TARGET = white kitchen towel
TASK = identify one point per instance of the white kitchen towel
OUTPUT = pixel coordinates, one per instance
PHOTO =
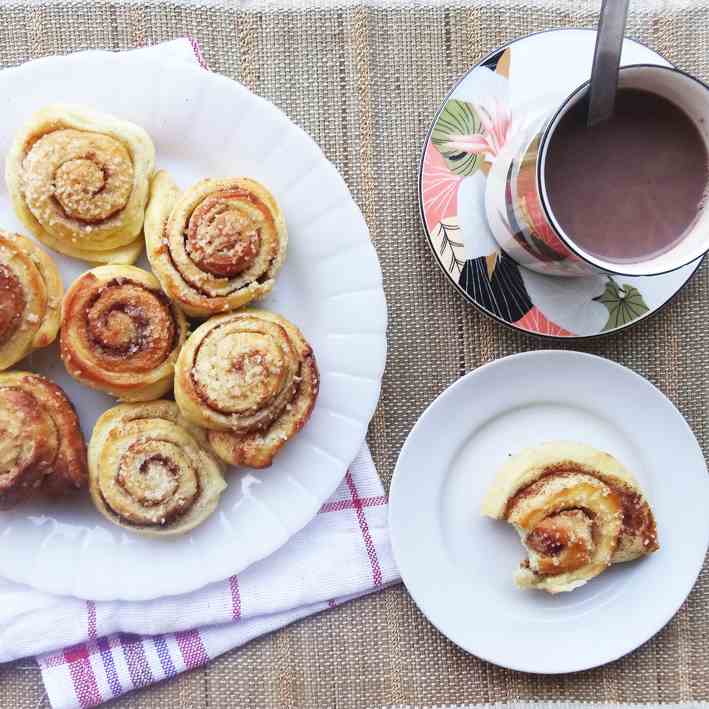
(92, 652)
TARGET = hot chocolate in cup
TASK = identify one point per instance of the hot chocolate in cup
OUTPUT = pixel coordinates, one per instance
(625, 197)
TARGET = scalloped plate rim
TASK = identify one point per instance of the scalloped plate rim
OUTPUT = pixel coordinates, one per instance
(132, 589)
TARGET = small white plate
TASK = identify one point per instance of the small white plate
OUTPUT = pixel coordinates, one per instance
(458, 566)
(204, 124)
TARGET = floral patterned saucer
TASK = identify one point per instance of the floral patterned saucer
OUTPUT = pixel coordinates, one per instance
(477, 118)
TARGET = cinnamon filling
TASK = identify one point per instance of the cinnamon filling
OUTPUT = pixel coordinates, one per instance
(637, 518)
(157, 481)
(222, 239)
(224, 242)
(566, 539)
(240, 372)
(127, 321)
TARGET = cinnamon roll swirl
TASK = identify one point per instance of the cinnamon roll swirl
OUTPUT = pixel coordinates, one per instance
(41, 444)
(151, 472)
(120, 333)
(31, 293)
(252, 379)
(576, 509)
(216, 246)
(79, 181)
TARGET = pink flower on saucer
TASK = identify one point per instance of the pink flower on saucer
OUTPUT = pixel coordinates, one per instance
(439, 188)
(495, 119)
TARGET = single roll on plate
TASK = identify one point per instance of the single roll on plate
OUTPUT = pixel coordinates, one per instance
(251, 378)
(217, 246)
(41, 444)
(576, 509)
(120, 333)
(151, 472)
(31, 293)
(79, 180)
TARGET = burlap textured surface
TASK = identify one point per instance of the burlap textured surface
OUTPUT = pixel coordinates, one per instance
(364, 81)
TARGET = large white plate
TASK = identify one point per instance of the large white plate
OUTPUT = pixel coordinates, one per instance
(203, 125)
(458, 566)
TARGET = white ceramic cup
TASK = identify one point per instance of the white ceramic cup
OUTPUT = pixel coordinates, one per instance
(516, 201)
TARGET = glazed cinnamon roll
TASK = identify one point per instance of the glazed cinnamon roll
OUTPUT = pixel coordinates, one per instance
(41, 444)
(576, 509)
(31, 293)
(120, 333)
(151, 472)
(216, 246)
(252, 379)
(79, 180)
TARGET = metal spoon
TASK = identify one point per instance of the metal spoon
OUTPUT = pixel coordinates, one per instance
(606, 60)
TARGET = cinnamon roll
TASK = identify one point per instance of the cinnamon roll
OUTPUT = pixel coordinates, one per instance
(252, 379)
(216, 246)
(31, 293)
(41, 444)
(120, 333)
(151, 472)
(79, 180)
(576, 509)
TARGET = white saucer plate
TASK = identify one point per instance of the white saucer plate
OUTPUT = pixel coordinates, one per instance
(505, 88)
(458, 566)
(205, 125)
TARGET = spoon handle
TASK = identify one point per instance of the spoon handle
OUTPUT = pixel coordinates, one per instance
(606, 60)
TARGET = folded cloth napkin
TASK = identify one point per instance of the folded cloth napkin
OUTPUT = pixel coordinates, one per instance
(92, 652)
(109, 648)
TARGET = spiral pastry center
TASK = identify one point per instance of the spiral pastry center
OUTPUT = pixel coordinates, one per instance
(75, 184)
(118, 330)
(127, 319)
(12, 303)
(89, 175)
(566, 537)
(569, 522)
(156, 482)
(222, 239)
(240, 372)
(150, 474)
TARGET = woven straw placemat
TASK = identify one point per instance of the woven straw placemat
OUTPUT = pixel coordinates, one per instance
(364, 81)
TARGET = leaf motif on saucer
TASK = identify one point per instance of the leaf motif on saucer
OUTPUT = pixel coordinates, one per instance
(468, 134)
(439, 188)
(624, 304)
(457, 121)
(501, 292)
(449, 245)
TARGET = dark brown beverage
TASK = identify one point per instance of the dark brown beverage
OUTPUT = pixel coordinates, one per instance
(627, 189)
